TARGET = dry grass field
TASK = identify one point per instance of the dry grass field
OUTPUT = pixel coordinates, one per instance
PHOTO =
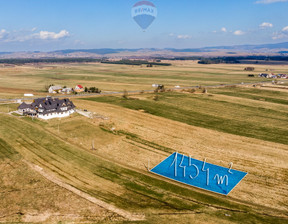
(16, 81)
(244, 125)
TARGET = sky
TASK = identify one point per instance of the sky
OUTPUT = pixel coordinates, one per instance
(48, 25)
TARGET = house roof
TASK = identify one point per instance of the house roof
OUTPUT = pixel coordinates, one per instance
(67, 89)
(49, 105)
(55, 87)
(24, 106)
(81, 87)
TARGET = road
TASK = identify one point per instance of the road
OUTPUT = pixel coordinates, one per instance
(131, 92)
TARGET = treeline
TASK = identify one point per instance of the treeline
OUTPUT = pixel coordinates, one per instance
(226, 60)
(229, 60)
(92, 90)
(19, 61)
(135, 62)
(244, 59)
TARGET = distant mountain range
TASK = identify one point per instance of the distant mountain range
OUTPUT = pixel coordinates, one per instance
(104, 51)
(262, 49)
(253, 47)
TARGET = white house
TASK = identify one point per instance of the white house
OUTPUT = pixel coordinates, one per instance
(47, 108)
(55, 89)
(79, 89)
(67, 90)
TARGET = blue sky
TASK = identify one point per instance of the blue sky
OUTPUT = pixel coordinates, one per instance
(44, 25)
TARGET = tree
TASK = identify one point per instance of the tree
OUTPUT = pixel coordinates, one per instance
(86, 89)
(48, 86)
(94, 90)
(192, 90)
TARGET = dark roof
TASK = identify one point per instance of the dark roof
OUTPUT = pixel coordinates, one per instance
(24, 106)
(49, 105)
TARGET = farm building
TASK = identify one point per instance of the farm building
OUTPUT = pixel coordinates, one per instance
(282, 76)
(265, 75)
(249, 69)
(67, 90)
(79, 89)
(55, 89)
(47, 108)
(273, 76)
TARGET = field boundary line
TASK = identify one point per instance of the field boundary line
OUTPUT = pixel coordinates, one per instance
(112, 208)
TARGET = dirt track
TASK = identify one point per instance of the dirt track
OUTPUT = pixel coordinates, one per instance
(124, 214)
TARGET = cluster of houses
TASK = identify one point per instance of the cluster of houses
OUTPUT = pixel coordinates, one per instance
(273, 76)
(47, 108)
(65, 90)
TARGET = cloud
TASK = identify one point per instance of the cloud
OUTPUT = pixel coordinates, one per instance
(46, 35)
(285, 29)
(238, 32)
(23, 35)
(278, 35)
(223, 29)
(180, 36)
(281, 34)
(269, 1)
(3, 34)
(184, 37)
(266, 25)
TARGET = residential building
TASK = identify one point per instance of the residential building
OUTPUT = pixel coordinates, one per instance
(47, 108)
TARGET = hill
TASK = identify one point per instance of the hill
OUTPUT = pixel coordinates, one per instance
(237, 50)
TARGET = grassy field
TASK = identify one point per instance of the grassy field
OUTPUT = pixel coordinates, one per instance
(244, 125)
(32, 79)
(5, 108)
(119, 184)
(254, 120)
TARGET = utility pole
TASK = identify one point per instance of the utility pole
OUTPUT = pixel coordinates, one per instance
(59, 125)
(147, 167)
(93, 145)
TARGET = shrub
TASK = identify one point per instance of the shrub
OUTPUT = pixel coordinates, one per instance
(156, 98)
(125, 94)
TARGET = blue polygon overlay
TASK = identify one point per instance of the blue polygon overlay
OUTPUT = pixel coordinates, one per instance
(199, 174)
